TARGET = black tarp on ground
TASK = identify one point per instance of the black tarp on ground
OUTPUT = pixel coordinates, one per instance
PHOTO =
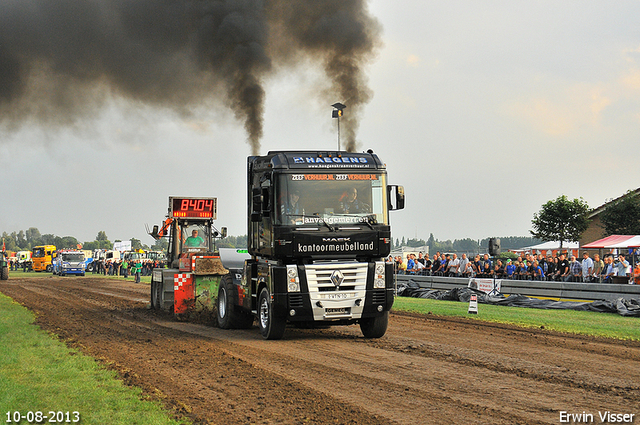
(621, 306)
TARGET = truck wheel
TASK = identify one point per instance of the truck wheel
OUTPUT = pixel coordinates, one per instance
(229, 314)
(4, 275)
(156, 287)
(270, 327)
(375, 327)
(48, 269)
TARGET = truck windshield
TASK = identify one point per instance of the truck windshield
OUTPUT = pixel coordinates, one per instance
(73, 258)
(131, 256)
(332, 198)
(38, 252)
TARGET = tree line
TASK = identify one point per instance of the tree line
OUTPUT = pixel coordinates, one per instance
(467, 244)
(26, 240)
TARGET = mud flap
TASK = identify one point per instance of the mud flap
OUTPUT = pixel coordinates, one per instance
(183, 292)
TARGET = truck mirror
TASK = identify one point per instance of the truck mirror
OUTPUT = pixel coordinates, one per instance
(223, 232)
(396, 197)
(256, 195)
(400, 197)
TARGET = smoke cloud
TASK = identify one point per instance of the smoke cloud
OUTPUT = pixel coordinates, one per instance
(62, 59)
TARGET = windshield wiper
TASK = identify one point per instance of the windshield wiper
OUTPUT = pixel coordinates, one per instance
(324, 222)
(370, 219)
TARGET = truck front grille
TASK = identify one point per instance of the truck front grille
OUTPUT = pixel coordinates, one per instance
(319, 277)
(338, 298)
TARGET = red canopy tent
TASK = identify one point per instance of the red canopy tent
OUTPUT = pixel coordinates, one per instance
(607, 242)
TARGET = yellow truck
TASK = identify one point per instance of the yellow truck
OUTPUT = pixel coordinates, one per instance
(42, 258)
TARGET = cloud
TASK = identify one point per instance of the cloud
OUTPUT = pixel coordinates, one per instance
(631, 80)
(413, 61)
(565, 111)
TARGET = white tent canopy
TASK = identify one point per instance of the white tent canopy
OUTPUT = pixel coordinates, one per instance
(550, 246)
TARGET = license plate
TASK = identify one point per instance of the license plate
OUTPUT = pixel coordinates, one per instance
(337, 296)
(345, 310)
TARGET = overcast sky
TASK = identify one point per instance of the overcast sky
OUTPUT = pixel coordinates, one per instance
(484, 111)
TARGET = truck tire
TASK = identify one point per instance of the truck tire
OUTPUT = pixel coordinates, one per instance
(4, 274)
(156, 287)
(270, 327)
(48, 269)
(375, 327)
(228, 312)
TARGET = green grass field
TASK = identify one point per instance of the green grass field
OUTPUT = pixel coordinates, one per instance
(38, 373)
(580, 322)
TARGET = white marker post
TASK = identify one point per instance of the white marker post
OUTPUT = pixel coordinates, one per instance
(473, 304)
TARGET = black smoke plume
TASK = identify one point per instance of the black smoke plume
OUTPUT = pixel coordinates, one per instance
(61, 59)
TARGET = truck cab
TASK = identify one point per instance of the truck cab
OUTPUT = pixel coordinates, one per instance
(69, 262)
(318, 235)
(42, 257)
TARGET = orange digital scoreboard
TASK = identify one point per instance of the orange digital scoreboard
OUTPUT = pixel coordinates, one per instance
(192, 207)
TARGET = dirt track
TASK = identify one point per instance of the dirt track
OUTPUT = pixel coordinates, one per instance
(426, 370)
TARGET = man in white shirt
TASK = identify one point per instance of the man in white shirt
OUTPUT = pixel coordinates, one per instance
(452, 267)
(587, 267)
(462, 267)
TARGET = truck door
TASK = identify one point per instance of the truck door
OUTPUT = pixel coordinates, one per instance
(261, 221)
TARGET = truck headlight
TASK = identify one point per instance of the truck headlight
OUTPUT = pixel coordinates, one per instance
(293, 281)
(379, 278)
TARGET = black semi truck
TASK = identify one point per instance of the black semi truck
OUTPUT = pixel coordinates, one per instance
(318, 236)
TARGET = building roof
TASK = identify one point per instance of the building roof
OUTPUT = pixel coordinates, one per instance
(594, 212)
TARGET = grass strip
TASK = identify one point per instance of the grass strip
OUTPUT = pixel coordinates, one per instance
(38, 373)
(606, 325)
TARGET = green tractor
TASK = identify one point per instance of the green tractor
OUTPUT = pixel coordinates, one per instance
(4, 267)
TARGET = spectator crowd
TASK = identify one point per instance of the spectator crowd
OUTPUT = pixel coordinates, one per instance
(555, 267)
(121, 267)
(111, 267)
